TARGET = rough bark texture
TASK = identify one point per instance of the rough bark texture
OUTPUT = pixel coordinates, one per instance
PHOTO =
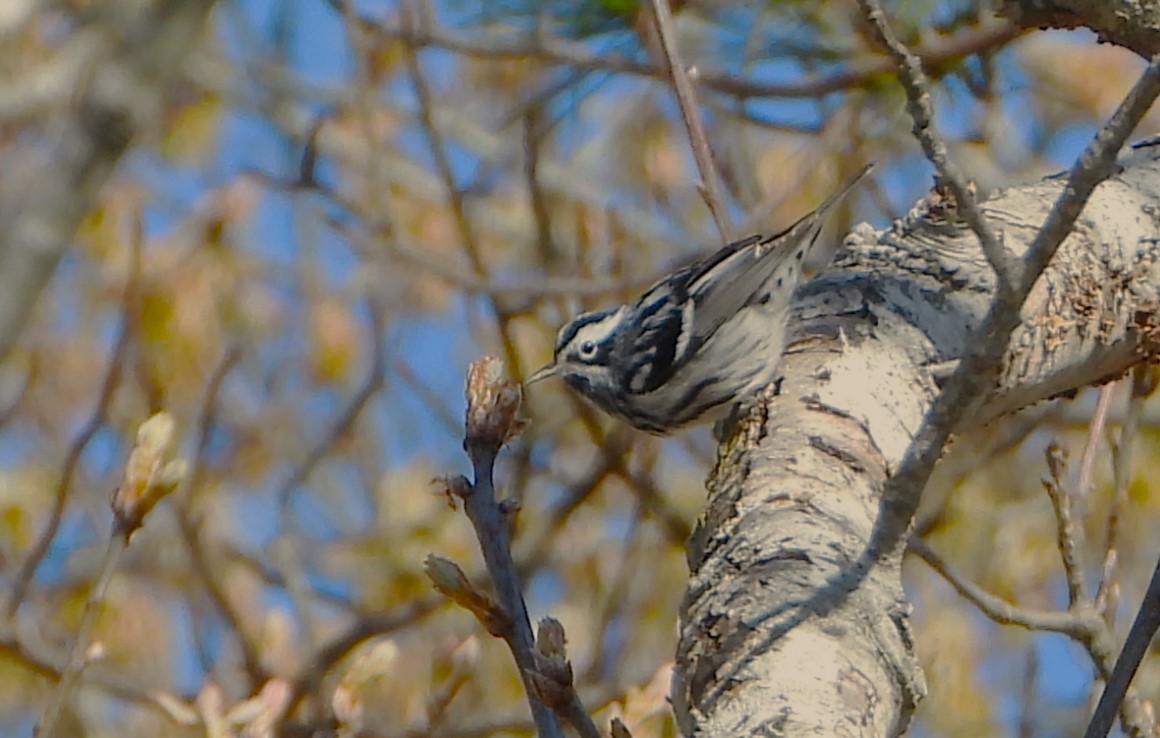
(1133, 24)
(793, 623)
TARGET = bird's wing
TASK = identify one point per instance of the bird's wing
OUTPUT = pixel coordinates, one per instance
(669, 325)
(649, 351)
(683, 310)
(725, 282)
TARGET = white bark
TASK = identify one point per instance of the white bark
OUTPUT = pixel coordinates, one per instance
(795, 622)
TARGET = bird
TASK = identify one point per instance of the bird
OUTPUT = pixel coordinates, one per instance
(699, 340)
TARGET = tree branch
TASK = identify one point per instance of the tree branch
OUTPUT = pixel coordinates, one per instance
(710, 185)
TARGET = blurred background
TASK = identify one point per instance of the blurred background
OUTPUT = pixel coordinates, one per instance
(339, 207)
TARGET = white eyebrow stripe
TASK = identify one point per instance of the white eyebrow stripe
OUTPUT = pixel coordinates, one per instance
(599, 331)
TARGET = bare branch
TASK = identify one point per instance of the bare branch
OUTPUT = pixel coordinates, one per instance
(79, 655)
(1113, 699)
(323, 659)
(1107, 597)
(921, 109)
(1030, 689)
(710, 187)
(46, 666)
(984, 38)
(1069, 535)
(454, 195)
(493, 406)
(288, 556)
(109, 382)
(1083, 480)
(1078, 624)
(151, 473)
(346, 419)
(975, 373)
(200, 558)
(1115, 695)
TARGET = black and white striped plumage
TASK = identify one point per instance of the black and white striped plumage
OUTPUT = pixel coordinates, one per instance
(701, 338)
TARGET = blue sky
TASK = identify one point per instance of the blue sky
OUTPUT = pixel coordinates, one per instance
(311, 38)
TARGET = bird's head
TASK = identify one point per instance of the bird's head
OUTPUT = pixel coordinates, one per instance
(583, 354)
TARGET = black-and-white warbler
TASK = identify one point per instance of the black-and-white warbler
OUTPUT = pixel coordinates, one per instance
(703, 337)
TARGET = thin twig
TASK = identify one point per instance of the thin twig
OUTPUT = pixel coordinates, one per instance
(323, 659)
(27, 377)
(1139, 638)
(536, 199)
(152, 471)
(454, 194)
(68, 468)
(493, 406)
(435, 401)
(710, 188)
(577, 716)
(1081, 622)
(233, 555)
(527, 288)
(406, 175)
(1095, 436)
(92, 424)
(46, 666)
(345, 420)
(78, 655)
(440, 699)
(575, 495)
(1148, 617)
(199, 557)
(1068, 534)
(921, 110)
(618, 598)
(287, 552)
(1076, 623)
(674, 525)
(976, 372)
(1107, 596)
(1028, 703)
(937, 53)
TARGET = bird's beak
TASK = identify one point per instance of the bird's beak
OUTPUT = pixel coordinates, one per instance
(542, 373)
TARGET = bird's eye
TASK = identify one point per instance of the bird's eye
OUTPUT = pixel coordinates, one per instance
(587, 350)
